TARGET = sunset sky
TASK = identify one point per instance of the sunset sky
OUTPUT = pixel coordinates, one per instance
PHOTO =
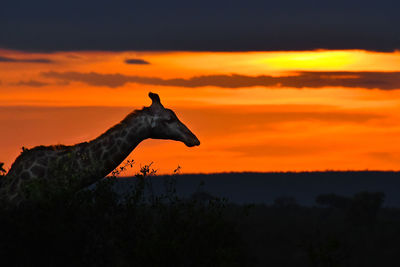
(260, 92)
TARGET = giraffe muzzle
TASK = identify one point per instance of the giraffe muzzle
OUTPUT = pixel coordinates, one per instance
(194, 142)
(190, 139)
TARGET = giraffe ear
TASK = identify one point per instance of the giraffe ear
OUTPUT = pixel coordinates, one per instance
(155, 98)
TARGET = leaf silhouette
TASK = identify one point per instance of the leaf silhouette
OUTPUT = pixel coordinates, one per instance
(2, 170)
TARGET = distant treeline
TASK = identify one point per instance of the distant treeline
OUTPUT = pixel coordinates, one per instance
(242, 188)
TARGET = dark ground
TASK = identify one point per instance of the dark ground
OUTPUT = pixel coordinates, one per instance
(279, 219)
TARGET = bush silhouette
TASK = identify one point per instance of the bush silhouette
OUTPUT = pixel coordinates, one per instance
(333, 201)
(285, 202)
(365, 207)
(2, 170)
(97, 228)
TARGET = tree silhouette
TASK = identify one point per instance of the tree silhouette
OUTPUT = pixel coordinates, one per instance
(285, 202)
(333, 201)
(365, 207)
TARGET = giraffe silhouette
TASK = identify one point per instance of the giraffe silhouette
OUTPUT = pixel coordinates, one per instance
(91, 161)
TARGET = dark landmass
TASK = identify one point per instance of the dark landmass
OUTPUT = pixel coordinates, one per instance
(299, 219)
(264, 188)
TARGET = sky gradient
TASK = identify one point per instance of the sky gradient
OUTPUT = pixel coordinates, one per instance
(252, 111)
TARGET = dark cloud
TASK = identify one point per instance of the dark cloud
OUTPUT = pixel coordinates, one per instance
(208, 25)
(136, 61)
(368, 80)
(93, 78)
(28, 60)
(31, 83)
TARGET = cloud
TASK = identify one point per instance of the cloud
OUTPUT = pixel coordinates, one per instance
(28, 60)
(368, 80)
(226, 120)
(385, 156)
(31, 83)
(206, 25)
(137, 61)
(277, 150)
(93, 78)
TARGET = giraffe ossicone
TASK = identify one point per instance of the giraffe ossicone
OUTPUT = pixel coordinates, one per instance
(91, 161)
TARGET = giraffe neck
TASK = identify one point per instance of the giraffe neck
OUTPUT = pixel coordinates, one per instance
(89, 161)
(112, 147)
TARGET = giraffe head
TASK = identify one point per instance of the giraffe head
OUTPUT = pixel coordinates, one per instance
(165, 124)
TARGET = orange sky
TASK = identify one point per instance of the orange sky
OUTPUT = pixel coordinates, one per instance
(252, 111)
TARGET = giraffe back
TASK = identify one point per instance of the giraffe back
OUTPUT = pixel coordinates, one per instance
(57, 162)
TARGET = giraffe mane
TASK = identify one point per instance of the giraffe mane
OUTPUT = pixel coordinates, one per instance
(28, 152)
(145, 110)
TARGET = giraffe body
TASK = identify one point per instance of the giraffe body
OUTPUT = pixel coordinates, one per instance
(88, 162)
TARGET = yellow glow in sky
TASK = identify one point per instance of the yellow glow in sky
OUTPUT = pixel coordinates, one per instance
(255, 128)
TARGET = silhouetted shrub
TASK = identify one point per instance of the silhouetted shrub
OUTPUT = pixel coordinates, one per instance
(2, 170)
(97, 228)
(361, 209)
(285, 202)
(333, 201)
(364, 207)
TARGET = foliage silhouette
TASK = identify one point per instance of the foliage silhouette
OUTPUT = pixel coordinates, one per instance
(2, 170)
(285, 202)
(98, 227)
(94, 227)
(333, 201)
